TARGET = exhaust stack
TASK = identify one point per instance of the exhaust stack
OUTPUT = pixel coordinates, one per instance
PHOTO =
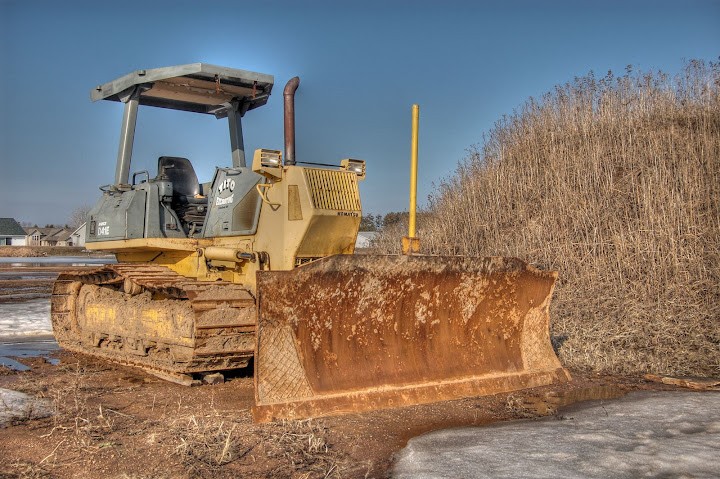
(289, 96)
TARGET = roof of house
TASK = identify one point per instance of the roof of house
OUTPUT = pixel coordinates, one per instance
(44, 232)
(10, 227)
(61, 234)
(77, 230)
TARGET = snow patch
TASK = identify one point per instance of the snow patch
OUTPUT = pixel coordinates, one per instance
(662, 434)
(24, 319)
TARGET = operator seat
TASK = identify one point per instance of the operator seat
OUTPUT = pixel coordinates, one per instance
(187, 202)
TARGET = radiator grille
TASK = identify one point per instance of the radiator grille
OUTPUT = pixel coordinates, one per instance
(333, 190)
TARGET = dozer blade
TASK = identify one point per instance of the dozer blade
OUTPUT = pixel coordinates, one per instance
(353, 333)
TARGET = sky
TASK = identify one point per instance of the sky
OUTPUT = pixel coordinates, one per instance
(362, 65)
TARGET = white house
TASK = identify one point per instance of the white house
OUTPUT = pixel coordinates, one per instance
(77, 237)
(11, 233)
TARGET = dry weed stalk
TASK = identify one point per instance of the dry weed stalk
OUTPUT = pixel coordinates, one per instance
(304, 445)
(615, 183)
(207, 440)
(206, 443)
(25, 470)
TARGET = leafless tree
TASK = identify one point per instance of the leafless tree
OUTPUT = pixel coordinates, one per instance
(78, 216)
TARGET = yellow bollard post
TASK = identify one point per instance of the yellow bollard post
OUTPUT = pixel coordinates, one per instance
(411, 244)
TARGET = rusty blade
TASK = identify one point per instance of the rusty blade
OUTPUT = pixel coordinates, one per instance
(353, 333)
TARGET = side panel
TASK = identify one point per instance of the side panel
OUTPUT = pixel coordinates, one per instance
(138, 213)
(160, 219)
(117, 216)
(233, 203)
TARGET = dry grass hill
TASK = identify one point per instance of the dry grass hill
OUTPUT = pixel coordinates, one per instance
(615, 183)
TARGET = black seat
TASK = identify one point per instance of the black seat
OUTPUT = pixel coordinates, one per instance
(181, 173)
(190, 207)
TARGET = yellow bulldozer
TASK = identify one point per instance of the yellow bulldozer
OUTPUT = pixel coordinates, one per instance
(258, 264)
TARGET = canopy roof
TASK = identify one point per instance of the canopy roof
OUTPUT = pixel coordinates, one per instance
(195, 87)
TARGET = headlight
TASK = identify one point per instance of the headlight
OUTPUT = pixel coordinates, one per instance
(268, 163)
(270, 158)
(354, 166)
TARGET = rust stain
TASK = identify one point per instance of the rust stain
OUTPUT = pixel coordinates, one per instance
(365, 324)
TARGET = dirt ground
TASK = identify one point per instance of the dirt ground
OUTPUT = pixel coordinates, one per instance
(114, 421)
(118, 422)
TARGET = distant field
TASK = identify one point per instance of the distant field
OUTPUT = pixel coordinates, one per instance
(614, 182)
(37, 251)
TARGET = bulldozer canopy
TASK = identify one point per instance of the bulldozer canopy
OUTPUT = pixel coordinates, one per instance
(195, 87)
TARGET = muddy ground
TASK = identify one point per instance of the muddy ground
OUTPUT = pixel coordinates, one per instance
(113, 421)
(118, 422)
(35, 283)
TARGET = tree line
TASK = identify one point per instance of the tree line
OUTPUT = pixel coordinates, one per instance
(371, 222)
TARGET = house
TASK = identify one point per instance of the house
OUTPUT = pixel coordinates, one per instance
(364, 238)
(35, 235)
(78, 236)
(62, 237)
(11, 233)
(49, 236)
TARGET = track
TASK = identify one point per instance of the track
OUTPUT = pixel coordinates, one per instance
(150, 317)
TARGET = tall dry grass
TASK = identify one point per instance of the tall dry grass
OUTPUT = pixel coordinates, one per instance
(615, 183)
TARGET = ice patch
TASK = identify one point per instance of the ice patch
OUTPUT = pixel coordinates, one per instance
(25, 319)
(57, 260)
(667, 434)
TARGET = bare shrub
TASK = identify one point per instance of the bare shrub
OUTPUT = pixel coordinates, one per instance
(304, 445)
(24, 470)
(205, 442)
(615, 183)
(208, 444)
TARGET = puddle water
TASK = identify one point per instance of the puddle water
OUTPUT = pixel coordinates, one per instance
(550, 402)
(25, 285)
(534, 406)
(41, 346)
(57, 261)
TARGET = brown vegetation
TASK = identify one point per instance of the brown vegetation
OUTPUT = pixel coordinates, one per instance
(615, 183)
(100, 419)
(39, 251)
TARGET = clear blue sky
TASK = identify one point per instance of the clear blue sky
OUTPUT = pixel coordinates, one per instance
(362, 64)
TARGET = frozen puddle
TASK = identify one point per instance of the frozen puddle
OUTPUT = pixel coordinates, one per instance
(57, 261)
(26, 348)
(26, 318)
(661, 434)
(25, 331)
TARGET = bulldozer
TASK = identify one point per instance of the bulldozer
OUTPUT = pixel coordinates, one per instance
(258, 265)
